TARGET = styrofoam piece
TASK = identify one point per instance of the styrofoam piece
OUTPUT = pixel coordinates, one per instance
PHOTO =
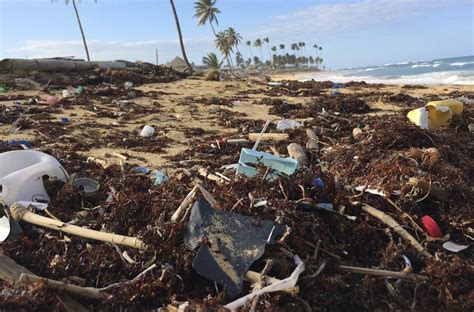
(147, 131)
(454, 247)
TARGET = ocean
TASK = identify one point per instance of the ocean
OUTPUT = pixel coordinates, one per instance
(456, 70)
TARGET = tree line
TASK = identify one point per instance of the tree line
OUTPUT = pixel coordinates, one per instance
(227, 43)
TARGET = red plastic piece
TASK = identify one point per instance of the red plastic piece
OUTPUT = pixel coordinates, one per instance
(431, 226)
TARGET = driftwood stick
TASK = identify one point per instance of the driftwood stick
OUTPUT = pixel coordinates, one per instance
(21, 213)
(136, 279)
(396, 227)
(253, 277)
(184, 204)
(395, 274)
(268, 136)
(260, 284)
(88, 292)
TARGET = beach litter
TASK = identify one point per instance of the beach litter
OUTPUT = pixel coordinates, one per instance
(435, 114)
(225, 251)
(286, 124)
(401, 172)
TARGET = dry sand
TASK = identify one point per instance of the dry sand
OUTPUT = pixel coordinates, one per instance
(175, 117)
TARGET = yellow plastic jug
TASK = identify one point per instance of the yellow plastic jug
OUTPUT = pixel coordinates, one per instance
(435, 114)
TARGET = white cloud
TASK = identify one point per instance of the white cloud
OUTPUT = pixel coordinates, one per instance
(333, 19)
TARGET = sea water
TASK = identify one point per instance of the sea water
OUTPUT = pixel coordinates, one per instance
(457, 70)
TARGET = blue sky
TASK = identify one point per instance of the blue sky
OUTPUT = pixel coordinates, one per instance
(352, 32)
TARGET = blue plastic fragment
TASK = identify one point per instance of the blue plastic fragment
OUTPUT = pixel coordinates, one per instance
(327, 206)
(64, 120)
(20, 142)
(319, 183)
(141, 169)
(279, 166)
(158, 177)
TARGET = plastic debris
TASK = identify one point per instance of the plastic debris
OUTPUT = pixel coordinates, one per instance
(376, 191)
(21, 179)
(79, 90)
(4, 89)
(66, 93)
(4, 225)
(36, 205)
(435, 114)
(128, 85)
(319, 183)
(147, 131)
(20, 142)
(141, 170)
(431, 227)
(279, 166)
(454, 247)
(282, 285)
(87, 186)
(286, 124)
(64, 120)
(158, 177)
(326, 206)
(230, 251)
(52, 100)
(275, 83)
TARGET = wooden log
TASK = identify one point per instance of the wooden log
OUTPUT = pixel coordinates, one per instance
(10, 271)
(88, 292)
(297, 152)
(20, 213)
(268, 136)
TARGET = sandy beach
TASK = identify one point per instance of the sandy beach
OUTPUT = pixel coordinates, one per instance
(351, 140)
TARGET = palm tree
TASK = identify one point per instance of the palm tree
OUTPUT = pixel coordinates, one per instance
(274, 57)
(80, 27)
(183, 51)
(320, 50)
(282, 47)
(234, 37)
(206, 12)
(211, 61)
(258, 43)
(267, 41)
(249, 43)
(239, 60)
(223, 44)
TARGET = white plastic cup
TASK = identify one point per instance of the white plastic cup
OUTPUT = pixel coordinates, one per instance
(147, 131)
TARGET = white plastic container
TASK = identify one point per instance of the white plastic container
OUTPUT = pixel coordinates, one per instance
(21, 175)
(147, 131)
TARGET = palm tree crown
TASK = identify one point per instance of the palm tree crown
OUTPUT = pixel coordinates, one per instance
(206, 12)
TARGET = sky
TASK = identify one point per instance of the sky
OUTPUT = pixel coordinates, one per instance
(352, 32)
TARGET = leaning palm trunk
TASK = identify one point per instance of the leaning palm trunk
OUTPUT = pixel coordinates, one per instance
(183, 51)
(82, 30)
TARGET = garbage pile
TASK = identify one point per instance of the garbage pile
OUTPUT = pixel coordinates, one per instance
(340, 211)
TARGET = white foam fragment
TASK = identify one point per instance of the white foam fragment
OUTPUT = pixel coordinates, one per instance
(454, 247)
